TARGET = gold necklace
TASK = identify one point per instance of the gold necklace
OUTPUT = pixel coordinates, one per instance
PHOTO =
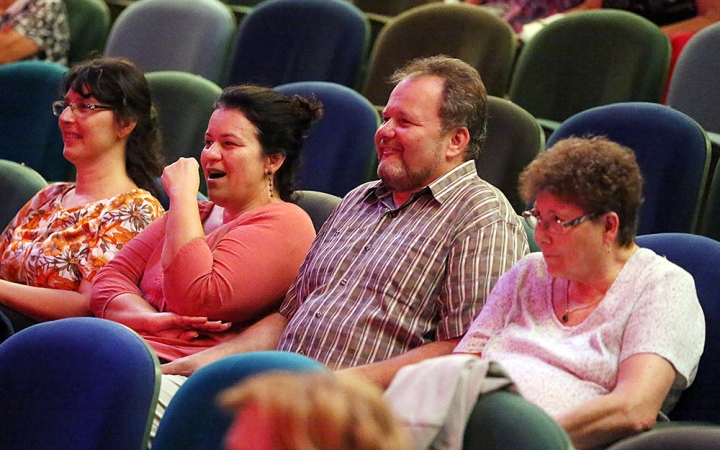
(566, 317)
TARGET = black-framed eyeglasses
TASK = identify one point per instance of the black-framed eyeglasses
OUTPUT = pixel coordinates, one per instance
(553, 224)
(80, 109)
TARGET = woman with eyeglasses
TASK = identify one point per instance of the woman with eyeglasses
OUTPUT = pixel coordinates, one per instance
(600, 333)
(52, 249)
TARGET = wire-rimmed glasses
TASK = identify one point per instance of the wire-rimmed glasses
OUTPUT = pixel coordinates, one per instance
(554, 224)
(80, 109)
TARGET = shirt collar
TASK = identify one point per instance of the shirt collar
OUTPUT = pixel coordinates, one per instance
(441, 187)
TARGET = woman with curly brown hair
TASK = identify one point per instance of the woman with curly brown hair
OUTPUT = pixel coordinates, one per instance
(594, 330)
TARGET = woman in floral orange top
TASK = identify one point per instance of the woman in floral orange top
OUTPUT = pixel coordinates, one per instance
(52, 249)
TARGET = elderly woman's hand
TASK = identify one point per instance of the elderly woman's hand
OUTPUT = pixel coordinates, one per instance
(181, 179)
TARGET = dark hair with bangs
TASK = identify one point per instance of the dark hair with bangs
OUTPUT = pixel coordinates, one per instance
(282, 125)
(596, 174)
(120, 84)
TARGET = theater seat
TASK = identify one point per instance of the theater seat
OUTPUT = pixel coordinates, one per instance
(80, 383)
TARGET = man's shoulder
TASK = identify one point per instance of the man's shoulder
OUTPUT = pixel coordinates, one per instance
(359, 193)
(464, 185)
(480, 201)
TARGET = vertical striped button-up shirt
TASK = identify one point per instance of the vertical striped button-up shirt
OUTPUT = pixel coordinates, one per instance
(380, 280)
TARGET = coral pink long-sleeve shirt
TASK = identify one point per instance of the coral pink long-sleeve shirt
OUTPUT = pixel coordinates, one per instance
(238, 273)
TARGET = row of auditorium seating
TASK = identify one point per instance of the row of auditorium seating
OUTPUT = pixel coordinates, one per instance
(580, 61)
(99, 382)
(387, 8)
(672, 149)
(193, 96)
(583, 60)
(327, 40)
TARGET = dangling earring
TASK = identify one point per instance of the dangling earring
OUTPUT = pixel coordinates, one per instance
(269, 173)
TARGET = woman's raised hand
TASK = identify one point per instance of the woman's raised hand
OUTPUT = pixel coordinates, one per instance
(181, 179)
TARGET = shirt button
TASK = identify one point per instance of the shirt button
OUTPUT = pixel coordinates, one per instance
(301, 352)
(367, 248)
(343, 281)
(318, 314)
(337, 232)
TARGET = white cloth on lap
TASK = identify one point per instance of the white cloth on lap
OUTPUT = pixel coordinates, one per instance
(433, 399)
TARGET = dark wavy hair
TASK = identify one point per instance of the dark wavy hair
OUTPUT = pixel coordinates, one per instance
(282, 125)
(119, 83)
(464, 102)
(596, 174)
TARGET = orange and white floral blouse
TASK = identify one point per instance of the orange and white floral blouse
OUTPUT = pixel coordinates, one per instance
(49, 246)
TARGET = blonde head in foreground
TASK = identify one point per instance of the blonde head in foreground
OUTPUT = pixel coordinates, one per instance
(310, 411)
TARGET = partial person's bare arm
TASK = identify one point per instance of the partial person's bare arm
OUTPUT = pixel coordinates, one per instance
(382, 372)
(708, 12)
(262, 335)
(44, 304)
(644, 381)
(15, 46)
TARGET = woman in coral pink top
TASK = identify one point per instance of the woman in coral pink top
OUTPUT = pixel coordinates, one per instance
(202, 274)
(53, 247)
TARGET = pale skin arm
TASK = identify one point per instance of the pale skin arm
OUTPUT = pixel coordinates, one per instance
(43, 304)
(382, 372)
(14, 46)
(262, 335)
(181, 182)
(644, 381)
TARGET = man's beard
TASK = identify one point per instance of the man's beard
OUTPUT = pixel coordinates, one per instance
(399, 177)
(403, 179)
